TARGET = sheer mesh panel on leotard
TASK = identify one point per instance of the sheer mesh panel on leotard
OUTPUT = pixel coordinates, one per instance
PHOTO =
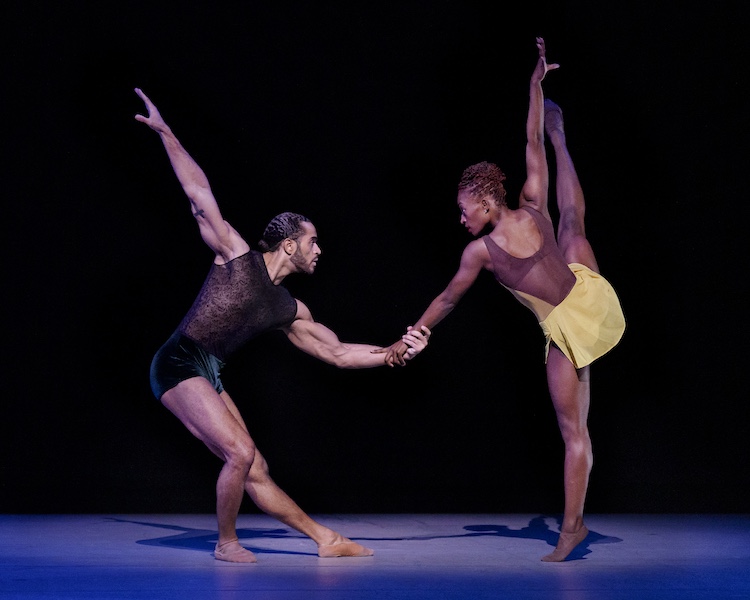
(238, 301)
(543, 278)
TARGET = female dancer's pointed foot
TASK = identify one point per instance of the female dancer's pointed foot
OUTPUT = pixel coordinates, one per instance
(233, 552)
(566, 543)
(553, 118)
(345, 547)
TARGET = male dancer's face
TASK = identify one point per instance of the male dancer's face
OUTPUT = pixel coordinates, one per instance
(305, 257)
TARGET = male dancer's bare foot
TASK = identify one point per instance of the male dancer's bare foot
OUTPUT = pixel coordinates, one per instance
(553, 118)
(566, 543)
(342, 546)
(233, 552)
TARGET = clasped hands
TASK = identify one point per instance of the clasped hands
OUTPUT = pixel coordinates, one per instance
(410, 344)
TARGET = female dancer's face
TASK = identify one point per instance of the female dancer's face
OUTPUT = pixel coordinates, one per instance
(473, 215)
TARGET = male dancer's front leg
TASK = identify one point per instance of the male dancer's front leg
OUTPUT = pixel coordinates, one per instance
(272, 500)
(208, 417)
(214, 419)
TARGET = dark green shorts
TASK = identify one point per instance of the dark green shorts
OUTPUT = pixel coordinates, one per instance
(180, 358)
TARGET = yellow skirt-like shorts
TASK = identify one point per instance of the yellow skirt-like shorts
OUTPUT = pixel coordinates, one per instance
(589, 322)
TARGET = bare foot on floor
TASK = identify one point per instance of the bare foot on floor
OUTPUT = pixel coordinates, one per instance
(233, 552)
(566, 543)
(343, 547)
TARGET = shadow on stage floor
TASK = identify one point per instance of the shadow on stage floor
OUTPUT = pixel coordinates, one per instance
(205, 539)
(416, 557)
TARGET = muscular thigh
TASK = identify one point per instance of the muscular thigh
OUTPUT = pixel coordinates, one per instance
(232, 408)
(209, 416)
(569, 389)
(577, 249)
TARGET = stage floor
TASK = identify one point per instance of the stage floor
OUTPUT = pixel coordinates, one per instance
(471, 556)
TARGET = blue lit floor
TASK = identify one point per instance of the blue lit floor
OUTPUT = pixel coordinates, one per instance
(472, 556)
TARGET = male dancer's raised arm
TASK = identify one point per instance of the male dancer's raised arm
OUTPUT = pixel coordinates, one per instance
(219, 235)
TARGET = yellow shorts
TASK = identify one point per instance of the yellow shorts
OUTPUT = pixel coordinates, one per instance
(589, 322)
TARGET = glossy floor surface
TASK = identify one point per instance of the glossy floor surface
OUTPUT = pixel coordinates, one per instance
(471, 556)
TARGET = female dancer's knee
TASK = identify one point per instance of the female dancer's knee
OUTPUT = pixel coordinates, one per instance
(578, 448)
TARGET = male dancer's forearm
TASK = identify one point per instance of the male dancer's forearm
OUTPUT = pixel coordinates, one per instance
(189, 174)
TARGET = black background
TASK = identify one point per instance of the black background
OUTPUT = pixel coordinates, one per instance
(362, 117)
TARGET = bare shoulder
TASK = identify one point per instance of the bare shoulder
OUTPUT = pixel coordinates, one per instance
(476, 255)
(476, 246)
(540, 207)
